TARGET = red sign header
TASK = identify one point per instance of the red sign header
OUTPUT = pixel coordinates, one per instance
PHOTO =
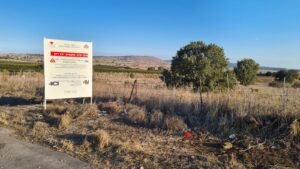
(68, 54)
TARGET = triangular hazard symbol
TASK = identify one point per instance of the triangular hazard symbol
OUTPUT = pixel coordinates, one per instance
(52, 60)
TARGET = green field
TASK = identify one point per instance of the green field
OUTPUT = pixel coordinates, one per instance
(16, 66)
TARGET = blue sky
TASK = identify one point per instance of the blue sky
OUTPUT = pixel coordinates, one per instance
(265, 30)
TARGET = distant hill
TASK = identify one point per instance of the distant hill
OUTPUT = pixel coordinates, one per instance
(132, 61)
(142, 62)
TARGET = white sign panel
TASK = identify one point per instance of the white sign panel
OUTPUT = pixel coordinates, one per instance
(68, 69)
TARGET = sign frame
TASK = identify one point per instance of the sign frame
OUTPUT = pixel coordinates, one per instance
(68, 70)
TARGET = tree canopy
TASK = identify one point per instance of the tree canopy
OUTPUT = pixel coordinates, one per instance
(202, 66)
(246, 71)
(289, 75)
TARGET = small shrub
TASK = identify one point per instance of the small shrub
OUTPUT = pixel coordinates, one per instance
(131, 75)
(102, 138)
(3, 119)
(160, 68)
(295, 128)
(90, 110)
(137, 115)
(40, 129)
(57, 109)
(156, 118)
(127, 83)
(174, 123)
(151, 68)
(85, 146)
(296, 85)
(276, 84)
(67, 145)
(112, 107)
(65, 121)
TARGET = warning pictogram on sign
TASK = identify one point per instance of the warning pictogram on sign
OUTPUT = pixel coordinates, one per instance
(52, 60)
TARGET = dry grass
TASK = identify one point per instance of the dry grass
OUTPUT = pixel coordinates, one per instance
(40, 129)
(102, 138)
(156, 118)
(64, 121)
(90, 110)
(25, 84)
(137, 115)
(295, 128)
(269, 114)
(174, 123)
(112, 107)
(67, 145)
(3, 119)
(86, 145)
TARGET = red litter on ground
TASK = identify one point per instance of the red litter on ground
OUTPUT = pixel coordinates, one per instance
(188, 134)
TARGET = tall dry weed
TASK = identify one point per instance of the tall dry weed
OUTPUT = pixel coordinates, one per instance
(65, 121)
(102, 138)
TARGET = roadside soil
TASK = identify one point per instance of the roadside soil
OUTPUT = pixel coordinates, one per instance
(18, 154)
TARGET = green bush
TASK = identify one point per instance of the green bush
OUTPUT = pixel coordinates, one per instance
(151, 68)
(289, 75)
(131, 75)
(160, 68)
(13, 66)
(246, 71)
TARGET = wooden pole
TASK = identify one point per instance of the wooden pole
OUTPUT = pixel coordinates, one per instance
(200, 91)
(45, 104)
(227, 83)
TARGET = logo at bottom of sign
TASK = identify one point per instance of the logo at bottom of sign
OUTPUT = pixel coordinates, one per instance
(86, 82)
(54, 83)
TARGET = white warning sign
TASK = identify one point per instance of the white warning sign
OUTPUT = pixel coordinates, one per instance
(68, 69)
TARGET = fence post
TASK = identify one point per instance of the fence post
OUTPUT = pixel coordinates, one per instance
(45, 104)
(200, 91)
(227, 82)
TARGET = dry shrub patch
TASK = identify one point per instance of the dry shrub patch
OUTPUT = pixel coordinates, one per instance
(174, 123)
(64, 121)
(296, 85)
(86, 145)
(3, 119)
(102, 138)
(137, 115)
(57, 109)
(91, 110)
(295, 128)
(112, 107)
(87, 110)
(156, 118)
(40, 129)
(67, 145)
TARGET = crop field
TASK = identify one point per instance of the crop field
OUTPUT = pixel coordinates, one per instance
(21, 66)
(146, 126)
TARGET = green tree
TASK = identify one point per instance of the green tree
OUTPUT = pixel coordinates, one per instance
(151, 68)
(160, 68)
(269, 73)
(246, 71)
(289, 75)
(200, 66)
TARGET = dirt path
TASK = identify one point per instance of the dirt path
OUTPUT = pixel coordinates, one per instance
(16, 154)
